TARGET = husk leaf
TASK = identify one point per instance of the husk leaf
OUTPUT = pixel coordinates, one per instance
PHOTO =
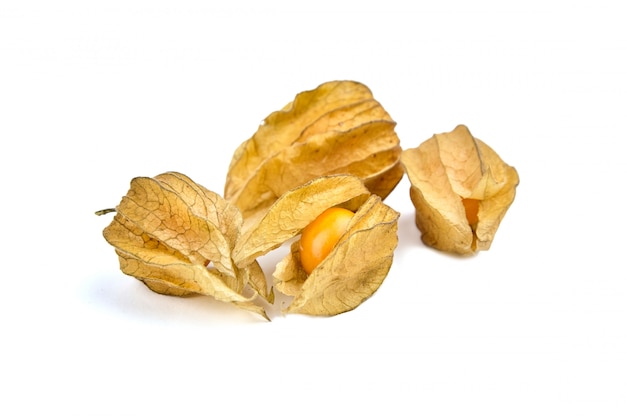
(293, 211)
(445, 170)
(337, 128)
(177, 237)
(352, 271)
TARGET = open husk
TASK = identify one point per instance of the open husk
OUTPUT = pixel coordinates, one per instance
(177, 238)
(461, 190)
(337, 128)
(353, 270)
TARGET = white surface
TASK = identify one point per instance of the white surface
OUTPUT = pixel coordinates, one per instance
(93, 94)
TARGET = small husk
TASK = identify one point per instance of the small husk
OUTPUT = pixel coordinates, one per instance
(177, 238)
(461, 190)
(352, 271)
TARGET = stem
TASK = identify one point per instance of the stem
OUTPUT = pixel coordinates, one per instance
(105, 211)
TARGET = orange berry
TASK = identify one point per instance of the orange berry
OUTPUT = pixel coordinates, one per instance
(471, 210)
(321, 235)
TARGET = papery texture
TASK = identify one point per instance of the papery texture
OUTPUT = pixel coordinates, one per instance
(337, 128)
(353, 270)
(177, 237)
(451, 175)
(293, 211)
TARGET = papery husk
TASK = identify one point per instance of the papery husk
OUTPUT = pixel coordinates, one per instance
(293, 211)
(351, 273)
(448, 168)
(177, 237)
(337, 128)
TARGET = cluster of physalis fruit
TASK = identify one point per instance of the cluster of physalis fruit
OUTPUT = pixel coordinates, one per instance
(315, 174)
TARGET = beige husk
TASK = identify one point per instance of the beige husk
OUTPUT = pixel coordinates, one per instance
(445, 170)
(337, 128)
(357, 265)
(177, 237)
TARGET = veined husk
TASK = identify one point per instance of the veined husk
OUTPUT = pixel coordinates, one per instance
(177, 238)
(354, 269)
(448, 168)
(293, 211)
(337, 128)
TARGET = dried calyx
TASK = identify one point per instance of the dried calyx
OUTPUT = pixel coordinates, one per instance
(177, 238)
(356, 264)
(461, 190)
(337, 128)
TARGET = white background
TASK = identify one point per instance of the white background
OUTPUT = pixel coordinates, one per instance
(93, 94)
